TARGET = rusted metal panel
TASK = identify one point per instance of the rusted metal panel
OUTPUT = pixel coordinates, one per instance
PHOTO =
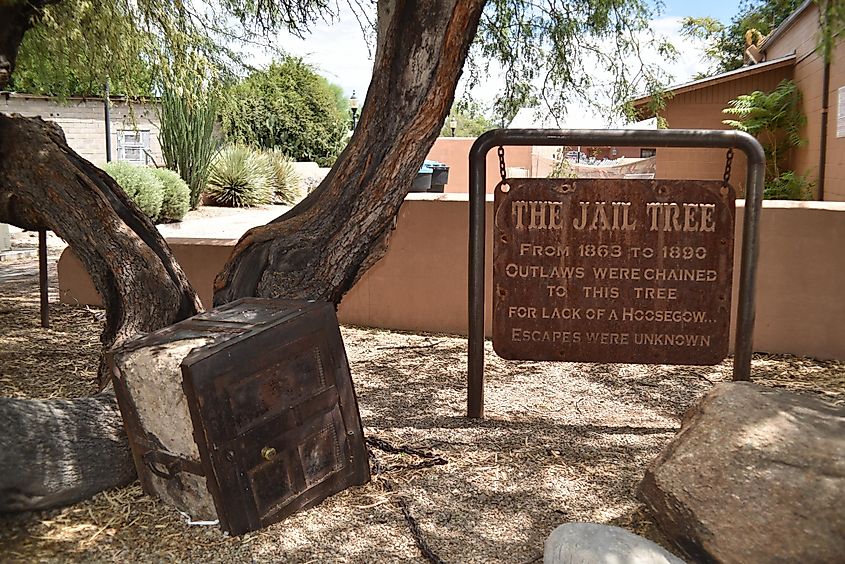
(596, 270)
(270, 412)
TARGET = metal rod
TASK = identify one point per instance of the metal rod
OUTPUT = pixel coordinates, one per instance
(107, 115)
(684, 138)
(42, 278)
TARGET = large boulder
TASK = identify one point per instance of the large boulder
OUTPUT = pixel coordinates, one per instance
(754, 475)
(591, 543)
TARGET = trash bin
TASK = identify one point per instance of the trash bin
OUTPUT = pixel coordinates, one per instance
(439, 177)
(422, 182)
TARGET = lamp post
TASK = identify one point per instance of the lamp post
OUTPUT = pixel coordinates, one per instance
(353, 109)
(453, 123)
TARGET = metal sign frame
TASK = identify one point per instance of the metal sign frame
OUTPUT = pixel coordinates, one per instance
(680, 138)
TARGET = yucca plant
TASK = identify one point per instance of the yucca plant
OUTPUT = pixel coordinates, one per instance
(284, 180)
(187, 135)
(776, 119)
(239, 177)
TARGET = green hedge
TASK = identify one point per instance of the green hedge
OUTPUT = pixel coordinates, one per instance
(140, 184)
(177, 195)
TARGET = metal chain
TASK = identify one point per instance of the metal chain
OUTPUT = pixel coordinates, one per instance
(389, 486)
(728, 162)
(502, 170)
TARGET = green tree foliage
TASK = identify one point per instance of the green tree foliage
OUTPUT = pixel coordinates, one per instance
(550, 52)
(832, 23)
(78, 44)
(469, 118)
(725, 44)
(554, 51)
(288, 106)
(776, 119)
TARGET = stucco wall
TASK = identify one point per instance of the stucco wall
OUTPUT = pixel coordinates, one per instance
(83, 122)
(454, 151)
(421, 283)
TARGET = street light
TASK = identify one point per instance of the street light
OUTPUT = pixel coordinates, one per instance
(453, 123)
(353, 109)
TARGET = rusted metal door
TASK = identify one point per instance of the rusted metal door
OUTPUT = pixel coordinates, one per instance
(272, 412)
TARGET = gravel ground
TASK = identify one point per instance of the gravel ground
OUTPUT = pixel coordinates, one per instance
(561, 442)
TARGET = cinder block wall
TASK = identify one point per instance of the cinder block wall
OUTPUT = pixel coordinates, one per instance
(83, 121)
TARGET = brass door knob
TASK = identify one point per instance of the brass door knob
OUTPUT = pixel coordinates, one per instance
(268, 453)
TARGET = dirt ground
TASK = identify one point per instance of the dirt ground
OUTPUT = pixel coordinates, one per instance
(561, 442)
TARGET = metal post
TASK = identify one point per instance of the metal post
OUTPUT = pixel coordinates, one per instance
(688, 138)
(107, 113)
(42, 278)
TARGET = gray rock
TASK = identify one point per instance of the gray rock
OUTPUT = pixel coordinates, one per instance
(754, 475)
(591, 543)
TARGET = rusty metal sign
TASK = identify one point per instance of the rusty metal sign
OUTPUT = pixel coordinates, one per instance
(596, 270)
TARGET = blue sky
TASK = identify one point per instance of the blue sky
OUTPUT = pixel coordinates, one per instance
(340, 52)
(722, 10)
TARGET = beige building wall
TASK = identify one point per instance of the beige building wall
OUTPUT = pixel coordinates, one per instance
(421, 283)
(702, 109)
(802, 38)
(83, 122)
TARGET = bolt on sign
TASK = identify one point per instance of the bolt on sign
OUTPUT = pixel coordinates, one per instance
(245, 413)
(599, 270)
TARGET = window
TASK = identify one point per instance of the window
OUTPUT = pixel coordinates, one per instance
(132, 145)
(646, 153)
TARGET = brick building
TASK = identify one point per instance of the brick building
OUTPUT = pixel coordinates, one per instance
(134, 126)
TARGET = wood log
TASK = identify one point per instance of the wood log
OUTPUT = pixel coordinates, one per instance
(55, 452)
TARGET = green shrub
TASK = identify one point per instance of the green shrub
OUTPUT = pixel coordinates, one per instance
(776, 119)
(788, 186)
(177, 195)
(140, 184)
(239, 177)
(284, 180)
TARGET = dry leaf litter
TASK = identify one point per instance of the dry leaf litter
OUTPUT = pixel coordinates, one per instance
(561, 442)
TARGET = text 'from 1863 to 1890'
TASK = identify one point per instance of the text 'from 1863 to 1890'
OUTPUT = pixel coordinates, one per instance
(599, 270)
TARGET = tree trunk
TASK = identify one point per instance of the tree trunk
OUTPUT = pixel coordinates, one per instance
(316, 251)
(321, 247)
(142, 287)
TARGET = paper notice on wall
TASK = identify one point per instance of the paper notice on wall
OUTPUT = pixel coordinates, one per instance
(840, 114)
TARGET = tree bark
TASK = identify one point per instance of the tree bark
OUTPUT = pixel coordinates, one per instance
(316, 251)
(321, 247)
(143, 289)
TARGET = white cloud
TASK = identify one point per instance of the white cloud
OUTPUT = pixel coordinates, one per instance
(340, 52)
